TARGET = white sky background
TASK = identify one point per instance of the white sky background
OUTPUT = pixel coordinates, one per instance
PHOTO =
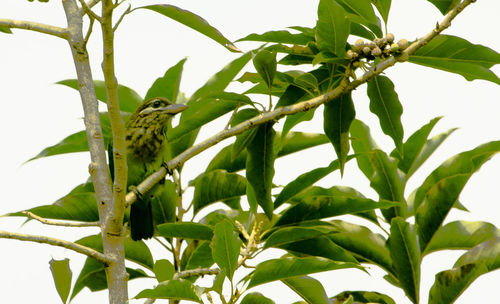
(36, 113)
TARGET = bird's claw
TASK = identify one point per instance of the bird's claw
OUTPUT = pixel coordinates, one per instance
(136, 192)
(169, 170)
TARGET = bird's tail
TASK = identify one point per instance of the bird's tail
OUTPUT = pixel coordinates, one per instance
(141, 220)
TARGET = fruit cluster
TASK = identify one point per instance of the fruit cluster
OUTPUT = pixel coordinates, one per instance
(379, 47)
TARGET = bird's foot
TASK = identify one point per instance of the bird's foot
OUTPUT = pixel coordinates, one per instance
(136, 192)
(169, 170)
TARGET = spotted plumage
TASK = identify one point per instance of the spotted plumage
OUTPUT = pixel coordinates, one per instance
(146, 143)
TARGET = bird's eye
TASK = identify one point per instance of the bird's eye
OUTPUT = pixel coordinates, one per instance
(156, 104)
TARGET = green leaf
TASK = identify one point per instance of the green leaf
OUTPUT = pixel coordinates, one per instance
(226, 247)
(318, 207)
(462, 235)
(215, 85)
(287, 235)
(293, 142)
(457, 55)
(78, 205)
(294, 119)
(337, 191)
(487, 252)
(361, 8)
(365, 245)
(218, 282)
(220, 80)
(321, 247)
(260, 166)
(76, 142)
(429, 147)
(384, 103)
(414, 147)
(364, 297)
(298, 141)
(200, 257)
(308, 288)
(164, 270)
(307, 82)
(406, 257)
(93, 276)
(242, 142)
(129, 99)
(193, 21)
(186, 230)
(289, 267)
(5, 29)
(61, 273)
(338, 115)
(174, 289)
(279, 37)
(441, 189)
(265, 64)
(444, 5)
(164, 202)
(383, 7)
(304, 181)
(135, 251)
(292, 95)
(168, 85)
(387, 180)
(256, 298)
(332, 27)
(361, 11)
(200, 113)
(449, 284)
(361, 31)
(363, 143)
(215, 186)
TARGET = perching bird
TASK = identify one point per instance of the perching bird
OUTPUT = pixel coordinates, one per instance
(146, 152)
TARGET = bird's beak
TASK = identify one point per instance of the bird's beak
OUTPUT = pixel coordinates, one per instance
(175, 108)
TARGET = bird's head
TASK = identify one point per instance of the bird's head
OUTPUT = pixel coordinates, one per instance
(145, 128)
(155, 111)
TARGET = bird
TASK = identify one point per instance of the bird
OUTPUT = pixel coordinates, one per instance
(146, 150)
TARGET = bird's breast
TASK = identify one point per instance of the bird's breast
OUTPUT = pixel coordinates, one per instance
(145, 144)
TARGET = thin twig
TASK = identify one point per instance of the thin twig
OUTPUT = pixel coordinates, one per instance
(253, 242)
(121, 18)
(242, 230)
(60, 223)
(92, 3)
(164, 244)
(35, 26)
(233, 115)
(303, 106)
(100, 257)
(87, 10)
(89, 31)
(180, 216)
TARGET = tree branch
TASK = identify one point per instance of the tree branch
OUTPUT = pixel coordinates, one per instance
(98, 168)
(117, 208)
(196, 273)
(111, 222)
(35, 26)
(113, 238)
(100, 257)
(303, 106)
(60, 223)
